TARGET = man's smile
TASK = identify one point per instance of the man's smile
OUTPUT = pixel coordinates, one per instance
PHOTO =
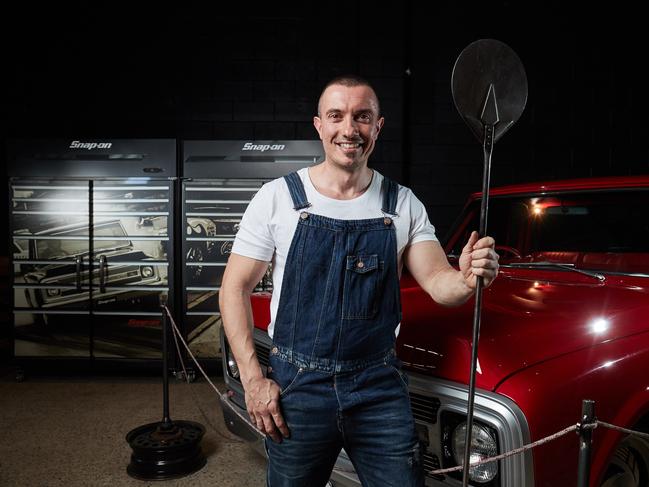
(349, 146)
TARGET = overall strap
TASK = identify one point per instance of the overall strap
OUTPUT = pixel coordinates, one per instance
(390, 190)
(296, 188)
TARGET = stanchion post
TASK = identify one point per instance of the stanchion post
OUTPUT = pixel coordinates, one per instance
(166, 420)
(585, 438)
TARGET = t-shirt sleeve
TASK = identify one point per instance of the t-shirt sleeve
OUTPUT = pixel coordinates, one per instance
(254, 238)
(420, 227)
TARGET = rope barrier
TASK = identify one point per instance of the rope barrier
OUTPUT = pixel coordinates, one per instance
(516, 451)
(547, 439)
(510, 453)
(624, 430)
(223, 396)
(191, 391)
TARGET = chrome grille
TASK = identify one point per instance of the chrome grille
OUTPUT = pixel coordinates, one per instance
(424, 408)
(431, 462)
(262, 354)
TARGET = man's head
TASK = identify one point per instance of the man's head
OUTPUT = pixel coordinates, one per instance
(348, 121)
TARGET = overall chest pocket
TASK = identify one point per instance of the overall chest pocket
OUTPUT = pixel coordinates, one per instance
(361, 287)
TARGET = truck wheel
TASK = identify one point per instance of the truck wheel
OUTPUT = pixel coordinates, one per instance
(630, 464)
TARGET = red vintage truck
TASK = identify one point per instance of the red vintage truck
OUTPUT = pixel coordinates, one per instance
(566, 320)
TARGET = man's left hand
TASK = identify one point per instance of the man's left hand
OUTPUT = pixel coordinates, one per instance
(479, 259)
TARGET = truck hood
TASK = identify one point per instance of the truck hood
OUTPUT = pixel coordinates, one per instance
(528, 316)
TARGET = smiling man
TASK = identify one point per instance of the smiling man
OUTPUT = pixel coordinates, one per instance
(338, 234)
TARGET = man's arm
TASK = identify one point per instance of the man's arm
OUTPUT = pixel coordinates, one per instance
(428, 264)
(262, 395)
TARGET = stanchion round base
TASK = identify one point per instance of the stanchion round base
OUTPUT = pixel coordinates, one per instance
(165, 451)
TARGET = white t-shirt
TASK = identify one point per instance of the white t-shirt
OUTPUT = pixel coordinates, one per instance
(269, 222)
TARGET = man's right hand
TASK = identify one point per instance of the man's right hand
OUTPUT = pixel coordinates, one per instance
(262, 402)
(262, 395)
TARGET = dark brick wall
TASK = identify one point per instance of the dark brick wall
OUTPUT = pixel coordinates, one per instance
(254, 71)
(248, 70)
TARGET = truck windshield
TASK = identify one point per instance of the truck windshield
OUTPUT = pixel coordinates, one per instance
(600, 230)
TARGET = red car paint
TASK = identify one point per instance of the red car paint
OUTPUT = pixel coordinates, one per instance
(549, 337)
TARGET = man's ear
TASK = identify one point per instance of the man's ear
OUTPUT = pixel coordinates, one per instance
(317, 123)
(379, 126)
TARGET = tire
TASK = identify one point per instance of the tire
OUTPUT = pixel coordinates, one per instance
(630, 464)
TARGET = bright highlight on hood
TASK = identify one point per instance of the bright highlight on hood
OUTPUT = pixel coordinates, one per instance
(599, 325)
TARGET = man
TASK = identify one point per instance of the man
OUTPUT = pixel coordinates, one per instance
(338, 234)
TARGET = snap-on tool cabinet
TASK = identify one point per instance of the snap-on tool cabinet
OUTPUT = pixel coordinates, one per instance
(103, 231)
(92, 239)
(219, 180)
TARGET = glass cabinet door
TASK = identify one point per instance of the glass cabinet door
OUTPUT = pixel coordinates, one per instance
(212, 211)
(131, 251)
(50, 241)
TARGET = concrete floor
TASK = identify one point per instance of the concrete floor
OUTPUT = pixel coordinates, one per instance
(71, 432)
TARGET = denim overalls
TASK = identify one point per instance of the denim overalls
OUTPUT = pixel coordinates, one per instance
(333, 353)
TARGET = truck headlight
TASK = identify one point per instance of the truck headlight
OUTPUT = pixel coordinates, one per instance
(230, 363)
(483, 445)
(53, 292)
(146, 271)
(233, 368)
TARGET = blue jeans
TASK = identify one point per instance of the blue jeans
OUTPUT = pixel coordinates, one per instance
(366, 411)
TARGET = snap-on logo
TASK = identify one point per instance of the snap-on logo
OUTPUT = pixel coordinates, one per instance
(90, 145)
(262, 147)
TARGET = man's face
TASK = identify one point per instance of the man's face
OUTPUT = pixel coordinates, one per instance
(348, 124)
